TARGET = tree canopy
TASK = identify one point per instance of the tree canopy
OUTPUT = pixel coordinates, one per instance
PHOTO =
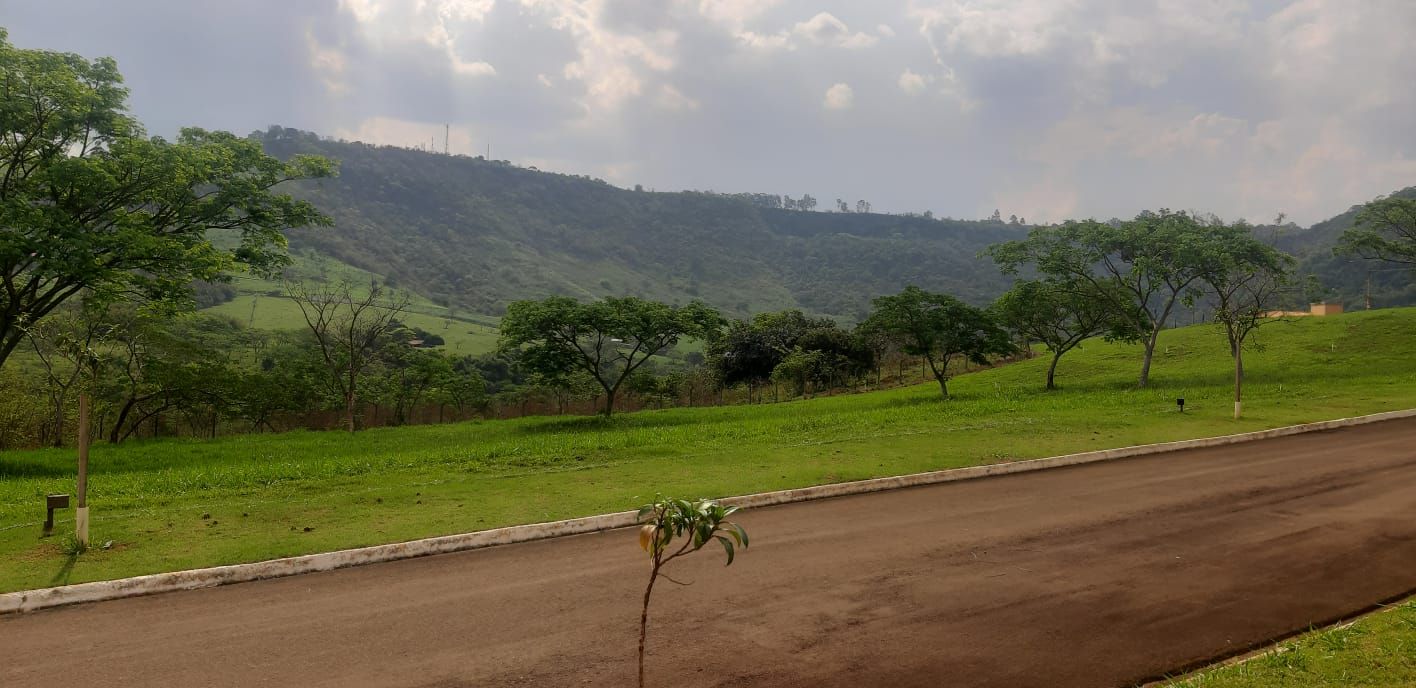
(609, 339)
(940, 328)
(1060, 315)
(88, 203)
(1385, 229)
(1141, 268)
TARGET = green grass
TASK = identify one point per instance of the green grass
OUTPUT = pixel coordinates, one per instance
(1377, 650)
(261, 304)
(267, 496)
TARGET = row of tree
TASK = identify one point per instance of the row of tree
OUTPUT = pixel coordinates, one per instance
(1119, 280)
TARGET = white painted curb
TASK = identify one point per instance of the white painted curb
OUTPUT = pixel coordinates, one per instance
(31, 600)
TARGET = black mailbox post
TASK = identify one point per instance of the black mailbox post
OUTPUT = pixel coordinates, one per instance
(52, 502)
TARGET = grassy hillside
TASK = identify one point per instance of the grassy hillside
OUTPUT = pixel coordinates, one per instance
(174, 504)
(481, 233)
(262, 304)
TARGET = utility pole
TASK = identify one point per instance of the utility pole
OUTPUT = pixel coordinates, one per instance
(81, 512)
(447, 129)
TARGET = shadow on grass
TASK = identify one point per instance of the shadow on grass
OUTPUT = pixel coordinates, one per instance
(61, 577)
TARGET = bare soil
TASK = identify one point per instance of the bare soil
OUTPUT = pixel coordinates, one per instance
(1101, 575)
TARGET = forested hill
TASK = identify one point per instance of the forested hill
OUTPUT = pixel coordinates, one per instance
(1345, 278)
(478, 234)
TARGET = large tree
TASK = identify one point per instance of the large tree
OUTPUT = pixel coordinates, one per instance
(609, 339)
(1385, 229)
(88, 202)
(940, 328)
(1060, 315)
(1141, 268)
(1245, 286)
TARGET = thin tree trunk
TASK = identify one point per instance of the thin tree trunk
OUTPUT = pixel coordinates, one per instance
(1238, 380)
(1150, 354)
(59, 421)
(644, 619)
(1052, 370)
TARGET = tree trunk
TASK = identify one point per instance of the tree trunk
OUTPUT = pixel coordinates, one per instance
(1238, 380)
(1052, 371)
(644, 619)
(59, 422)
(939, 371)
(1150, 354)
(610, 402)
(349, 409)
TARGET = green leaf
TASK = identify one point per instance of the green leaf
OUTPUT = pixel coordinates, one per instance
(727, 547)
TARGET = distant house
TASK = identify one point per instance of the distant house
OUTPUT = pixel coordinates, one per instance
(1314, 310)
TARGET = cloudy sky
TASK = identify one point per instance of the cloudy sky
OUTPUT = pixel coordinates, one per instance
(1047, 109)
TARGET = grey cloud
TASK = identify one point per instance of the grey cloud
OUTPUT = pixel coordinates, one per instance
(1045, 109)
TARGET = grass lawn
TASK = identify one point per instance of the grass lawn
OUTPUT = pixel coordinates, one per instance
(1377, 650)
(175, 504)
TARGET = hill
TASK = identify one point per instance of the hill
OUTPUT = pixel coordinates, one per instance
(478, 234)
(1346, 278)
(475, 234)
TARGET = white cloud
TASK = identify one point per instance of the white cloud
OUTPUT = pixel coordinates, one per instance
(670, 98)
(611, 65)
(911, 83)
(826, 29)
(329, 63)
(839, 97)
(436, 23)
(734, 13)
(822, 29)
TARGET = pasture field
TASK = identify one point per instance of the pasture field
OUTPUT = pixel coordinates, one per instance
(175, 504)
(262, 304)
(1377, 651)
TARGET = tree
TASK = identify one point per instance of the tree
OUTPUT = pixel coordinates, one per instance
(88, 203)
(348, 329)
(64, 344)
(1245, 286)
(752, 351)
(1060, 316)
(1142, 268)
(697, 523)
(609, 339)
(807, 203)
(1385, 229)
(938, 327)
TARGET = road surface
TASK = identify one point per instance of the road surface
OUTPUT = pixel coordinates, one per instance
(1099, 575)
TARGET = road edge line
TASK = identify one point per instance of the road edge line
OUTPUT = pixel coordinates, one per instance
(151, 584)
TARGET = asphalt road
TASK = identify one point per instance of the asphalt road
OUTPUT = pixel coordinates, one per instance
(1098, 575)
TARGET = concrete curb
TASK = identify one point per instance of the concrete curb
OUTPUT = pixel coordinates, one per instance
(32, 600)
